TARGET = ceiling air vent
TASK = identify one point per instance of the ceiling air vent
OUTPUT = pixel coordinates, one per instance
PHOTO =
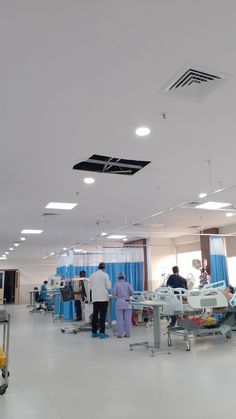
(194, 227)
(47, 214)
(194, 82)
(112, 165)
(191, 204)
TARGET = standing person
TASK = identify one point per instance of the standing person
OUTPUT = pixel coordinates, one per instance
(176, 281)
(122, 292)
(100, 284)
(79, 292)
(204, 278)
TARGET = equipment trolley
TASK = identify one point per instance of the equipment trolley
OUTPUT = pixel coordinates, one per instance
(4, 350)
(187, 329)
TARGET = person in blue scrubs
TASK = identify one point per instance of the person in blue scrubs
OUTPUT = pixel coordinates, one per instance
(44, 295)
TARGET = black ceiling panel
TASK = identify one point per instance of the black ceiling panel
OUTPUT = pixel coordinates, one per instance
(112, 165)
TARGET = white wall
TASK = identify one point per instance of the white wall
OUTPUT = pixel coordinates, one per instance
(163, 257)
(31, 275)
(230, 245)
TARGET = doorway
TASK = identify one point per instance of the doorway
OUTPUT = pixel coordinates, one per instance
(9, 286)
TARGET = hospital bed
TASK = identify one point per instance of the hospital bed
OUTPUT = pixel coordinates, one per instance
(193, 308)
(142, 313)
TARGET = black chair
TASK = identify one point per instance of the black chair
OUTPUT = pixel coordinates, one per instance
(39, 302)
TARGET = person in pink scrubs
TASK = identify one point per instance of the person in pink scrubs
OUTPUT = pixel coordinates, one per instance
(122, 292)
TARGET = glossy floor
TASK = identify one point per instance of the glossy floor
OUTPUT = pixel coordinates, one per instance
(55, 375)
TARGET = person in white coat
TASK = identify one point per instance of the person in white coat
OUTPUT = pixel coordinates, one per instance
(100, 284)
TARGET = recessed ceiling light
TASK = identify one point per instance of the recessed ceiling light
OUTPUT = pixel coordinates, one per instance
(64, 248)
(31, 231)
(84, 251)
(202, 195)
(23, 239)
(103, 234)
(142, 131)
(2, 258)
(45, 257)
(89, 180)
(52, 254)
(116, 236)
(125, 240)
(77, 250)
(61, 205)
(11, 248)
(7, 253)
(16, 244)
(229, 214)
(213, 205)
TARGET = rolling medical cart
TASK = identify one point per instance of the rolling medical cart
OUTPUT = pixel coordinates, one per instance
(4, 350)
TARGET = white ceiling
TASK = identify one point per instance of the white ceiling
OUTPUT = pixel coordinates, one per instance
(76, 79)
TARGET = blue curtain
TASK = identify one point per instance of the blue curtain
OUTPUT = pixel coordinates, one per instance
(219, 268)
(134, 273)
(132, 270)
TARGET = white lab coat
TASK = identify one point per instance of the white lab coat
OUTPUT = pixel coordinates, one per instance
(100, 284)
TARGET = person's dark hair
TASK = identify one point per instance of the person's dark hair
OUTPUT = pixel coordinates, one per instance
(45, 282)
(231, 289)
(175, 270)
(101, 265)
(82, 274)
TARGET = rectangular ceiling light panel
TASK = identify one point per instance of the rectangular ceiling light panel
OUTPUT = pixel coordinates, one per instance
(116, 236)
(31, 231)
(213, 205)
(112, 165)
(61, 205)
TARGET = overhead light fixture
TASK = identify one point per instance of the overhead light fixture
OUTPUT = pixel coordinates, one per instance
(45, 257)
(103, 234)
(64, 248)
(202, 195)
(23, 239)
(77, 250)
(16, 244)
(116, 237)
(125, 240)
(31, 231)
(142, 131)
(218, 190)
(2, 258)
(213, 205)
(229, 214)
(61, 205)
(84, 251)
(11, 248)
(89, 180)
(7, 253)
(52, 254)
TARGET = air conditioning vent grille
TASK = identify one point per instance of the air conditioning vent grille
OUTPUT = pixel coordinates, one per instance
(194, 82)
(48, 214)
